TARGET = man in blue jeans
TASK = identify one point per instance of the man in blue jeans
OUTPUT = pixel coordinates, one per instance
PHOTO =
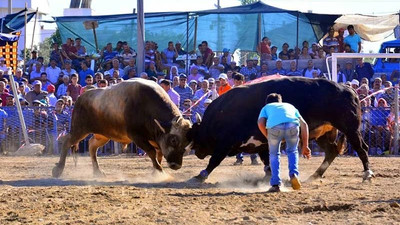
(278, 121)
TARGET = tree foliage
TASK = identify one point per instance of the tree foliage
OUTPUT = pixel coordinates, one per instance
(247, 2)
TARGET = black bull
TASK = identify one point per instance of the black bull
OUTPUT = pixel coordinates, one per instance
(230, 126)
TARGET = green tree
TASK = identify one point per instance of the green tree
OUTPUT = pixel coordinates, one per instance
(45, 46)
(247, 2)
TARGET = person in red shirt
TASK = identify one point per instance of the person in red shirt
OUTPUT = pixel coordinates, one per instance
(207, 53)
(74, 89)
(264, 49)
(340, 40)
(224, 86)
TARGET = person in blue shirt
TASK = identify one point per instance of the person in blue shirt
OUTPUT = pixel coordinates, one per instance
(278, 121)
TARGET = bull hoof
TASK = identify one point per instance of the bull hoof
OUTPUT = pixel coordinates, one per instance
(313, 177)
(198, 179)
(57, 171)
(368, 175)
(99, 174)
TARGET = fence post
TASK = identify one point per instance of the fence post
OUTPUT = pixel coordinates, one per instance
(396, 119)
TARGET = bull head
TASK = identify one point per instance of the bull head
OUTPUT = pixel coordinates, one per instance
(173, 144)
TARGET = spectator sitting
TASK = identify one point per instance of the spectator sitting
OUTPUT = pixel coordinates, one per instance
(52, 98)
(238, 79)
(293, 69)
(45, 81)
(62, 88)
(173, 95)
(226, 55)
(193, 85)
(179, 49)
(131, 74)
(216, 68)
(131, 65)
(37, 93)
(103, 83)
(355, 84)
(307, 72)
(144, 75)
(349, 72)
(173, 72)
(107, 53)
(169, 55)
(207, 53)
(263, 70)
(74, 89)
(151, 70)
(201, 67)
(84, 72)
(278, 69)
(57, 55)
(313, 51)
(376, 87)
(274, 56)
(200, 93)
(224, 86)
(36, 72)
(127, 55)
(184, 91)
(395, 76)
(194, 75)
(304, 54)
(347, 49)
(284, 54)
(68, 69)
(249, 72)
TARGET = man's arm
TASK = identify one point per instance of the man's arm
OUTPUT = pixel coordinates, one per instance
(261, 126)
(306, 151)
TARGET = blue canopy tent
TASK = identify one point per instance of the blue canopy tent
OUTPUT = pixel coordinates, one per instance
(237, 27)
(14, 22)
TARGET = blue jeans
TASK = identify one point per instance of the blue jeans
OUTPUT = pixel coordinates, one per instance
(289, 132)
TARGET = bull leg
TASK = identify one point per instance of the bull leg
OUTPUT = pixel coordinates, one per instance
(264, 156)
(326, 142)
(68, 140)
(94, 143)
(356, 141)
(215, 160)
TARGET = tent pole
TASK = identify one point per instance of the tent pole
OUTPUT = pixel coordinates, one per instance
(259, 29)
(195, 34)
(297, 39)
(34, 27)
(140, 36)
(95, 37)
(26, 19)
(187, 44)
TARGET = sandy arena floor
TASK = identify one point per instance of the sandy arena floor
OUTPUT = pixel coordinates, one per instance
(132, 194)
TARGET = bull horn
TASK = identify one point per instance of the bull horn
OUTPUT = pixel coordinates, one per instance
(198, 118)
(189, 147)
(159, 125)
(177, 120)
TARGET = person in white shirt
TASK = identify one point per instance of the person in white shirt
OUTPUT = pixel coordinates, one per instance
(53, 71)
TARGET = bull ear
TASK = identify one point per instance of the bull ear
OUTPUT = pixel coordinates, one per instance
(159, 125)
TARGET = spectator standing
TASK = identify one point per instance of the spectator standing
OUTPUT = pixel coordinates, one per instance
(304, 54)
(330, 41)
(52, 98)
(207, 53)
(216, 68)
(264, 50)
(353, 39)
(84, 72)
(340, 39)
(200, 93)
(173, 95)
(274, 56)
(74, 89)
(194, 75)
(227, 55)
(364, 69)
(57, 55)
(278, 121)
(53, 71)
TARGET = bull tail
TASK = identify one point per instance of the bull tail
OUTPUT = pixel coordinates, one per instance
(341, 144)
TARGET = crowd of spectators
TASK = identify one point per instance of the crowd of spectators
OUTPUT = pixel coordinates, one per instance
(70, 71)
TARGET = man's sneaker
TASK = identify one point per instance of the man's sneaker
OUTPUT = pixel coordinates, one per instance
(238, 162)
(275, 188)
(254, 162)
(295, 182)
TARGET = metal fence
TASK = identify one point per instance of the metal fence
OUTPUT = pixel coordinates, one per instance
(45, 126)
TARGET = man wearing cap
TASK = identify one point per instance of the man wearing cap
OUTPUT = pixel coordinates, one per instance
(227, 55)
(52, 98)
(355, 84)
(184, 91)
(278, 69)
(212, 87)
(224, 86)
(37, 93)
(353, 39)
(33, 59)
(173, 95)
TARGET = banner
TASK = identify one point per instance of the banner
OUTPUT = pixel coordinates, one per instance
(9, 49)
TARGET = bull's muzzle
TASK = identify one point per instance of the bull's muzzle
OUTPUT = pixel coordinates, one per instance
(174, 166)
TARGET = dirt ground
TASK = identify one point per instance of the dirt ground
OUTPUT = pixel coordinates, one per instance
(132, 194)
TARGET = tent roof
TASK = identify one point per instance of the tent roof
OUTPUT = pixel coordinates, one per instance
(257, 7)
